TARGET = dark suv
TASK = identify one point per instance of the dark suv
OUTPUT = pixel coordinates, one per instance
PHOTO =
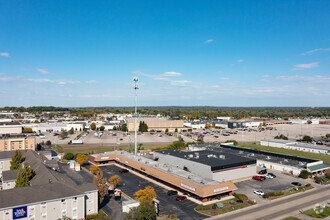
(172, 193)
(264, 171)
(123, 171)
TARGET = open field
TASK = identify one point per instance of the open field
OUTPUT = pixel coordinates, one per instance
(325, 158)
(102, 148)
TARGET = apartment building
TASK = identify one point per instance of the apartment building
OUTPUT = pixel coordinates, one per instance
(17, 142)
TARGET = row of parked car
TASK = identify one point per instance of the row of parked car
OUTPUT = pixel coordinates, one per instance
(175, 193)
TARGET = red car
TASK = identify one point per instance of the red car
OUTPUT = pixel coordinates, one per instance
(180, 198)
(258, 178)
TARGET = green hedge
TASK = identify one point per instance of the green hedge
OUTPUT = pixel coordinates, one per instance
(240, 196)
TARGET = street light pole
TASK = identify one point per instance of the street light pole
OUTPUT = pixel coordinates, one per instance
(135, 79)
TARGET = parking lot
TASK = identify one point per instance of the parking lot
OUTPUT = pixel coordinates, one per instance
(280, 183)
(56, 139)
(168, 205)
(115, 137)
(292, 131)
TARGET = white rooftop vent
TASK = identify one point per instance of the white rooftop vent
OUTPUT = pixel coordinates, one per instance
(190, 177)
(190, 155)
(301, 163)
(222, 156)
(268, 157)
(203, 181)
(285, 160)
(197, 155)
(170, 170)
(252, 154)
(240, 152)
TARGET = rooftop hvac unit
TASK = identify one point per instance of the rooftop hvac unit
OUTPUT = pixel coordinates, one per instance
(222, 156)
(190, 177)
(301, 163)
(252, 154)
(203, 181)
(268, 157)
(285, 160)
(240, 152)
(190, 155)
(147, 162)
(170, 170)
(184, 155)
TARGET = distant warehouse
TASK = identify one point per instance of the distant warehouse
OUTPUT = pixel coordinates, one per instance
(296, 146)
(156, 124)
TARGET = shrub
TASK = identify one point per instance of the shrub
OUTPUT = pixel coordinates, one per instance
(232, 141)
(279, 193)
(304, 174)
(308, 185)
(68, 156)
(239, 201)
(267, 195)
(317, 179)
(327, 175)
(240, 196)
(232, 202)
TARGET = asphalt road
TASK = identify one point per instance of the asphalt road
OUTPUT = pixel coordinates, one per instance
(168, 205)
(281, 206)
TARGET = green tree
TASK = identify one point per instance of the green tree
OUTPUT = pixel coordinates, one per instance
(232, 141)
(102, 128)
(307, 138)
(68, 156)
(16, 160)
(309, 122)
(124, 127)
(304, 174)
(71, 131)
(27, 130)
(93, 126)
(327, 135)
(283, 137)
(24, 176)
(143, 127)
(145, 211)
(64, 134)
(166, 130)
(39, 146)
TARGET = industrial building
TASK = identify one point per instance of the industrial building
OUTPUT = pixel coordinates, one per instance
(209, 164)
(203, 174)
(17, 142)
(156, 124)
(51, 194)
(280, 162)
(293, 145)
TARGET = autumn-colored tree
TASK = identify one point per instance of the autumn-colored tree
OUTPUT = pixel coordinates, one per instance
(27, 130)
(100, 184)
(94, 169)
(81, 158)
(146, 195)
(16, 160)
(93, 126)
(115, 180)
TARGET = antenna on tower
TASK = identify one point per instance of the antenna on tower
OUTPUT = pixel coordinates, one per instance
(136, 87)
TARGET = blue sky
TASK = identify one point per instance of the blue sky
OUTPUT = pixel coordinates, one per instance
(218, 53)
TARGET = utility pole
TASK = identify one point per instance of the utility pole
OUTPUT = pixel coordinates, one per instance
(135, 79)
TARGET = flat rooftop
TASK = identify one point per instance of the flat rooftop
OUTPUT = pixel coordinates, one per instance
(293, 161)
(165, 168)
(297, 144)
(216, 160)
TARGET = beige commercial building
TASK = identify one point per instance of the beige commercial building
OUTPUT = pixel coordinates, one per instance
(156, 124)
(17, 142)
(10, 129)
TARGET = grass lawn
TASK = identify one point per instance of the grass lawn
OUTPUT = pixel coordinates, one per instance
(78, 149)
(280, 194)
(325, 158)
(227, 207)
(290, 218)
(318, 212)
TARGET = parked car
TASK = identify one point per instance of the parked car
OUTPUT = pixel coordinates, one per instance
(180, 198)
(172, 193)
(264, 171)
(259, 192)
(296, 183)
(271, 175)
(123, 171)
(258, 178)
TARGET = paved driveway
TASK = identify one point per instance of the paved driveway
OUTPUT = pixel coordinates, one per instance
(281, 182)
(168, 205)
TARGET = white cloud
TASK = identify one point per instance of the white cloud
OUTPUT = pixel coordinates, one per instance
(306, 78)
(40, 80)
(265, 76)
(209, 41)
(43, 71)
(305, 66)
(171, 74)
(92, 81)
(4, 54)
(224, 78)
(316, 50)
(65, 82)
(240, 60)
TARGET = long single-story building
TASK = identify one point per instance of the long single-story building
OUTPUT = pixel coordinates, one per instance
(293, 145)
(216, 182)
(156, 124)
(284, 163)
